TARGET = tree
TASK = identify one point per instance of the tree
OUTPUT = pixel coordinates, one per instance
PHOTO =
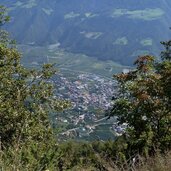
(26, 100)
(144, 103)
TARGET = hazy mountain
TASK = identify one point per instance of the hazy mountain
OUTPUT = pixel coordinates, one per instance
(107, 29)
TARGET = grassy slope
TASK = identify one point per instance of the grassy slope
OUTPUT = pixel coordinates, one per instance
(157, 163)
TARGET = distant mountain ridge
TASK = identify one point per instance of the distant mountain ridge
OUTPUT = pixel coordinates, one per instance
(117, 30)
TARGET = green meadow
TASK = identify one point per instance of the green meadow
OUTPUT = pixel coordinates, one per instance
(144, 14)
(35, 56)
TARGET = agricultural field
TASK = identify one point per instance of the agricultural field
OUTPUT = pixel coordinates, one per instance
(87, 83)
(35, 56)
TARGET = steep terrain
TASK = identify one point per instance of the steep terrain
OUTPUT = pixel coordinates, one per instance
(117, 30)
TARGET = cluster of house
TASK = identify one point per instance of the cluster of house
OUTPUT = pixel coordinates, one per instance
(86, 90)
(87, 93)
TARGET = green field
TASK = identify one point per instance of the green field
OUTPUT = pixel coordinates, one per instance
(144, 14)
(35, 56)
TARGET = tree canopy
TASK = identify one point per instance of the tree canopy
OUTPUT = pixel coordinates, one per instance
(26, 99)
(144, 103)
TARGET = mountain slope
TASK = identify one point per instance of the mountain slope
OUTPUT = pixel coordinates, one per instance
(117, 30)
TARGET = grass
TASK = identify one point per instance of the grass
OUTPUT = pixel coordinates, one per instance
(144, 14)
(92, 35)
(71, 15)
(47, 11)
(79, 63)
(147, 42)
(86, 161)
(121, 41)
(157, 163)
(90, 15)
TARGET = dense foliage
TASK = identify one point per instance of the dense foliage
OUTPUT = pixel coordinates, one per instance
(26, 100)
(144, 103)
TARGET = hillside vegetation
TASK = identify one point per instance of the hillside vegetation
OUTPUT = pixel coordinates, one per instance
(108, 30)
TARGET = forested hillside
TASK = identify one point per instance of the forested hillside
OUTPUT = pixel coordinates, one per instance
(112, 29)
